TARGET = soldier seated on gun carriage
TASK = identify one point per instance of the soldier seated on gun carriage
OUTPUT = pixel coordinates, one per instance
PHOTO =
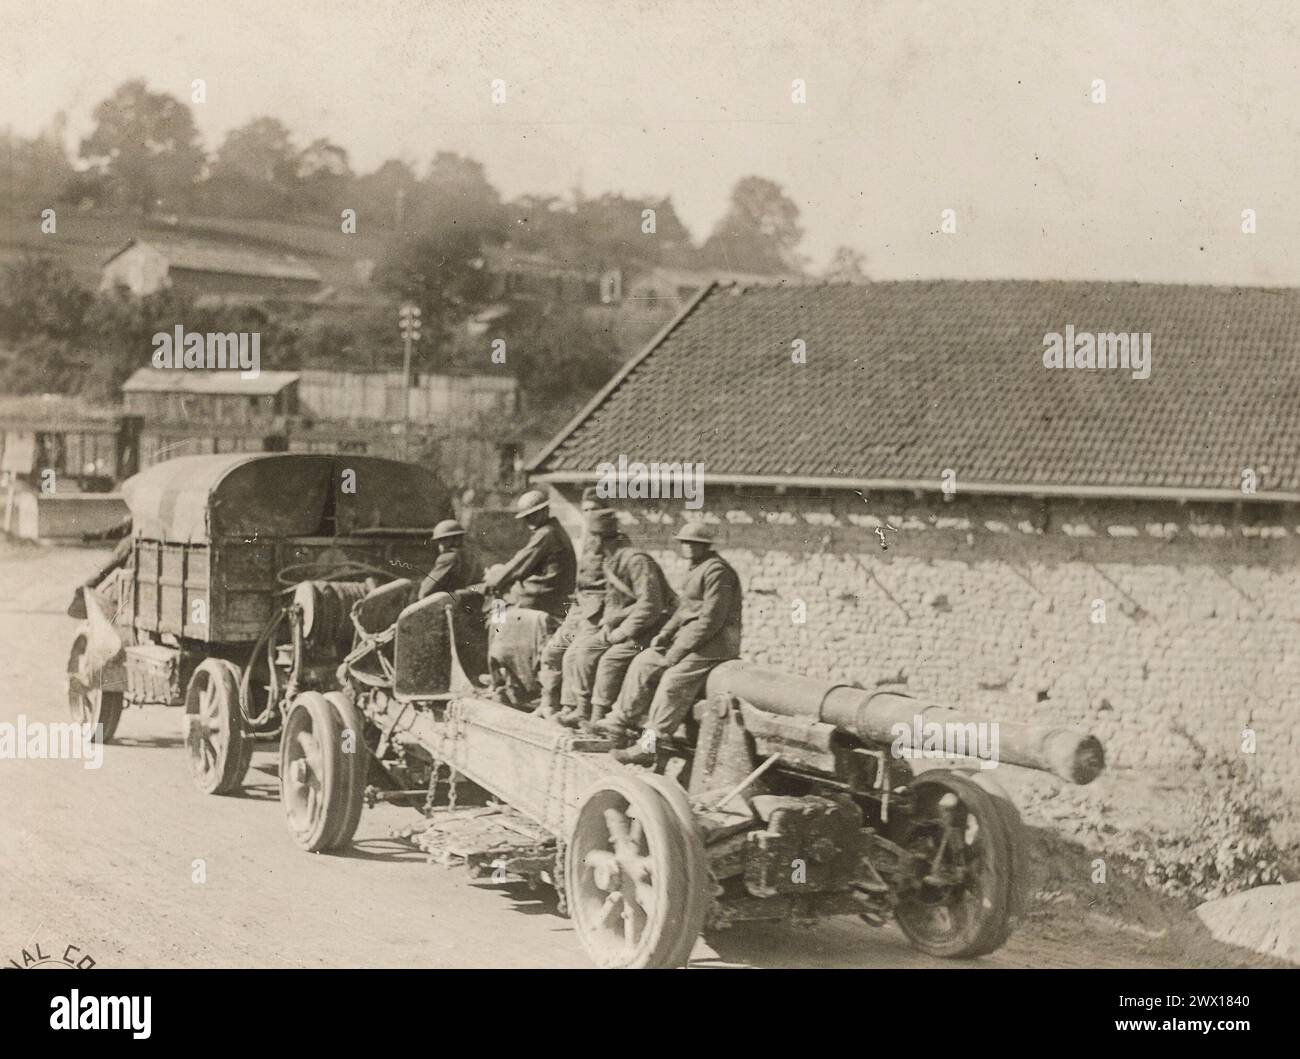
(638, 600)
(665, 680)
(584, 611)
(535, 586)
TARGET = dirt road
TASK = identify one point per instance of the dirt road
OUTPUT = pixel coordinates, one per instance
(108, 859)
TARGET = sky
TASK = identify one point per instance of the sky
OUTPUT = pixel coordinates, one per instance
(912, 108)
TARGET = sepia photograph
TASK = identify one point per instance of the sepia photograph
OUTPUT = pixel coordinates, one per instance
(535, 486)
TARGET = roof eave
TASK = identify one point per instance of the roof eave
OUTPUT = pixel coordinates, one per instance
(1115, 492)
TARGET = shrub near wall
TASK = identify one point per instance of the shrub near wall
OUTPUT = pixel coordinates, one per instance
(1133, 619)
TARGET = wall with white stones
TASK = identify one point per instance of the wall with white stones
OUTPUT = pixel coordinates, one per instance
(1136, 620)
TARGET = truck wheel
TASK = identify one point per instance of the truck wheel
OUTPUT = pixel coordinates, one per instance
(960, 904)
(217, 747)
(356, 766)
(318, 780)
(629, 875)
(88, 702)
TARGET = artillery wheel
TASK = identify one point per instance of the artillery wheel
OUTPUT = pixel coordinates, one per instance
(319, 787)
(961, 904)
(1015, 835)
(632, 876)
(700, 887)
(217, 746)
(356, 766)
(88, 702)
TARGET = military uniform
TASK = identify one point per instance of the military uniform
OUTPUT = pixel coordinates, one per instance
(637, 602)
(542, 576)
(454, 569)
(664, 682)
(583, 615)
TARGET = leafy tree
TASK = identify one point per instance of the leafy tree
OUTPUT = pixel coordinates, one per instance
(758, 233)
(39, 296)
(383, 197)
(846, 266)
(323, 177)
(255, 170)
(146, 144)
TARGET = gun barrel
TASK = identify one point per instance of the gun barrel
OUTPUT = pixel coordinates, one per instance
(873, 716)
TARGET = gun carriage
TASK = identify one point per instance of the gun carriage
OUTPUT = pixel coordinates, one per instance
(233, 592)
(778, 799)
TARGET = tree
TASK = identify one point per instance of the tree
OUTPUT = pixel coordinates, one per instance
(441, 271)
(758, 233)
(383, 196)
(146, 144)
(39, 296)
(846, 266)
(256, 169)
(323, 177)
(456, 191)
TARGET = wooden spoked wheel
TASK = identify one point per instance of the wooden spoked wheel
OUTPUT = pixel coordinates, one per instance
(88, 702)
(218, 748)
(633, 876)
(961, 900)
(323, 762)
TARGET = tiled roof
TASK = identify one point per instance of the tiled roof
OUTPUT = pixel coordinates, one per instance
(905, 379)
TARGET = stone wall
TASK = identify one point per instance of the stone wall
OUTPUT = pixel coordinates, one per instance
(1133, 619)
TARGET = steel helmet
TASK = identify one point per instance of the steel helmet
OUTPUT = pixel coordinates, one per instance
(697, 532)
(533, 500)
(448, 527)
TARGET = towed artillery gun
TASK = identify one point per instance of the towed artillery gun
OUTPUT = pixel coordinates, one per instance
(233, 592)
(778, 799)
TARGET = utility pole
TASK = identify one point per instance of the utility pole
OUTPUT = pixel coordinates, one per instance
(409, 315)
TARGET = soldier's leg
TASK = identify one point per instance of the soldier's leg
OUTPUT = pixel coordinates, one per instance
(637, 692)
(680, 688)
(549, 675)
(610, 673)
(580, 662)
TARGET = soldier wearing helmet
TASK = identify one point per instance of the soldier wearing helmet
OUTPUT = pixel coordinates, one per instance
(543, 572)
(588, 601)
(665, 680)
(537, 583)
(456, 566)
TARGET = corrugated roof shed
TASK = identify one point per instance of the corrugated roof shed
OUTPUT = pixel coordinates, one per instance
(905, 379)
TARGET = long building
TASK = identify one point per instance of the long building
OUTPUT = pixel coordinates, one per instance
(915, 499)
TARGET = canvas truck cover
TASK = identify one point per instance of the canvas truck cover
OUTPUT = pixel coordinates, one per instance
(193, 499)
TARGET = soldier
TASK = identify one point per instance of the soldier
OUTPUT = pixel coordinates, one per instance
(666, 680)
(637, 603)
(456, 567)
(585, 612)
(542, 576)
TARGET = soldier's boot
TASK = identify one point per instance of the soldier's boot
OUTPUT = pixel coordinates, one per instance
(573, 716)
(550, 680)
(636, 754)
(592, 723)
(615, 730)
